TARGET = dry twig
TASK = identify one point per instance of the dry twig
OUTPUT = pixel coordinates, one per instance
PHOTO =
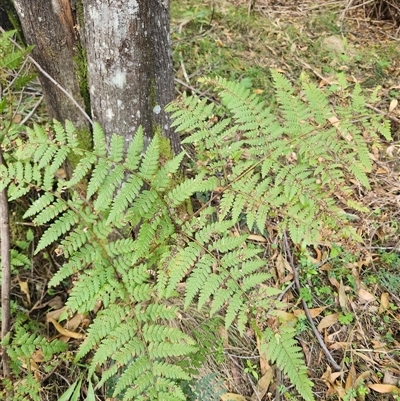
(325, 350)
(6, 273)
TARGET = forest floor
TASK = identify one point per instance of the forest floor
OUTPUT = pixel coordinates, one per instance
(352, 294)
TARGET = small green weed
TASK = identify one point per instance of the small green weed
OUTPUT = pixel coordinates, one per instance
(251, 369)
(346, 318)
(302, 324)
(389, 273)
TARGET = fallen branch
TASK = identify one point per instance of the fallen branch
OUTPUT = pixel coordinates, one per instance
(317, 334)
(6, 273)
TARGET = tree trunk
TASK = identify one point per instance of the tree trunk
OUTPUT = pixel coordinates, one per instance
(49, 27)
(129, 64)
(163, 73)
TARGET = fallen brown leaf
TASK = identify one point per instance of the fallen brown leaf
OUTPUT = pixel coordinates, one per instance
(65, 332)
(24, 287)
(330, 380)
(54, 314)
(390, 378)
(384, 388)
(385, 304)
(37, 356)
(328, 321)
(351, 377)
(314, 312)
(263, 385)
(264, 365)
(365, 296)
(258, 238)
(393, 105)
(284, 316)
(282, 267)
(232, 397)
(361, 378)
(75, 322)
(342, 296)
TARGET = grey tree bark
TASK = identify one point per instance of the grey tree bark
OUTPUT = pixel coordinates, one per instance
(47, 26)
(129, 62)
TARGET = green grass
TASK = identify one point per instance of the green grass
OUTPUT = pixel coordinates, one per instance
(226, 42)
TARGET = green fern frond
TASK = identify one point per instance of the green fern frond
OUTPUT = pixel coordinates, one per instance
(74, 241)
(49, 212)
(60, 134)
(281, 348)
(99, 174)
(15, 192)
(115, 340)
(150, 161)
(76, 263)
(113, 180)
(155, 311)
(133, 240)
(226, 244)
(135, 149)
(99, 141)
(357, 169)
(47, 156)
(232, 311)
(124, 197)
(209, 232)
(185, 190)
(59, 158)
(106, 321)
(318, 102)
(95, 285)
(116, 151)
(145, 238)
(197, 279)
(163, 177)
(61, 226)
(180, 264)
(226, 203)
(147, 202)
(72, 137)
(82, 170)
(200, 112)
(213, 282)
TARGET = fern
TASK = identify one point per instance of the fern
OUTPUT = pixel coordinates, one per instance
(281, 348)
(125, 225)
(207, 388)
(22, 345)
(293, 173)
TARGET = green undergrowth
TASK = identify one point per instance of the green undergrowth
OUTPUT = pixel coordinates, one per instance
(215, 42)
(291, 166)
(226, 41)
(154, 246)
